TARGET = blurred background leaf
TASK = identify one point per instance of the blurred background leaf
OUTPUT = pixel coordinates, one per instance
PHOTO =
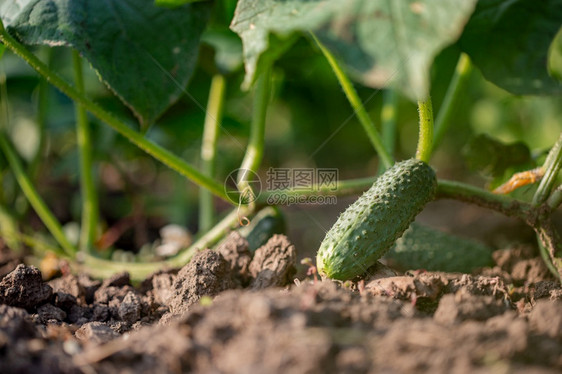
(509, 42)
(383, 44)
(146, 54)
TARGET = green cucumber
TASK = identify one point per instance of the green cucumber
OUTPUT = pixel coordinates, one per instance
(368, 228)
(423, 247)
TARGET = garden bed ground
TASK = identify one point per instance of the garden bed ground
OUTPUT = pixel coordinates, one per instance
(237, 312)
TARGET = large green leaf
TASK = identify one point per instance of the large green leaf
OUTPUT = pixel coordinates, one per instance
(381, 42)
(144, 53)
(509, 41)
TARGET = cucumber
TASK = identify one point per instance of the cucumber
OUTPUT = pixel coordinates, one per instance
(368, 227)
(423, 247)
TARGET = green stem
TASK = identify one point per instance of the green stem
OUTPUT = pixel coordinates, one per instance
(425, 139)
(555, 198)
(357, 106)
(209, 148)
(344, 188)
(254, 151)
(447, 109)
(101, 268)
(42, 109)
(477, 196)
(389, 113)
(445, 190)
(546, 257)
(9, 224)
(37, 245)
(229, 222)
(550, 239)
(90, 207)
(33, 197)
(159, 153)
(552, 166)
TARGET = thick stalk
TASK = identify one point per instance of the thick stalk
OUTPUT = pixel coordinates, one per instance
(555, 198)
(357, 106)
(33, 197)
(546, 257)
(90, 207)
(445, 190)
(159, 153)
(550, 239)
(209, 148)
(425, 139)
(389, 113)
(551, 167)
(447, 109)
(477, 196)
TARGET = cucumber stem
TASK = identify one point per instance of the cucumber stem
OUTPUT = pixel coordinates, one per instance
(546, 258)
(555, 198)
(445, 190)
(389, 113)
(33, 197)
(43, 98)
(357, 106)
(456, 86)
(156, 151)
(90, 207)
(209, 148)
(425, 139)
(254, 150)
(552, 166)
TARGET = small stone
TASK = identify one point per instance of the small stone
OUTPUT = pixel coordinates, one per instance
(162, 287)
(273, 264)
(24, 288)
(130, 308)
(50, 312)
(70, 285)
(96, 332)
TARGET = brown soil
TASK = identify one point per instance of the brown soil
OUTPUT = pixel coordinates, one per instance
(233, 311)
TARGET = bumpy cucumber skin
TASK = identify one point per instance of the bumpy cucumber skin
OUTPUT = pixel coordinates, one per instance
(368, 227)
(423, 247)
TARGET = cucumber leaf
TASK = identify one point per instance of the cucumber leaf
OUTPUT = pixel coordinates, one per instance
(144, 53)
(175, 3)
(509, 42)
(381, 43)
(495, 160)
